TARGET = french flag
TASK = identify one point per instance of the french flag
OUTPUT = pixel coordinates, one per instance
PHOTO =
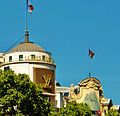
(30, 7)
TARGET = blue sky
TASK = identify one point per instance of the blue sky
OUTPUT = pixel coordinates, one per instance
(67, 28)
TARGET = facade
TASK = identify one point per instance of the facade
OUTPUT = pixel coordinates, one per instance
(88, 91)
(34, 61)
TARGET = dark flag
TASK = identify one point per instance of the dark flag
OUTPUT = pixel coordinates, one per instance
(91, 53)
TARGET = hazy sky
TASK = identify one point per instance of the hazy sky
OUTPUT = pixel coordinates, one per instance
(67, 28)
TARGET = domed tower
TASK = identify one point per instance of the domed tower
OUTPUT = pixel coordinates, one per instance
(34, 61)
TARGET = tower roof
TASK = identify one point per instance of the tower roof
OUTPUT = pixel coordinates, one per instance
(27, 47)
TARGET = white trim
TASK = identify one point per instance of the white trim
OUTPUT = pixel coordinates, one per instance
(51, 94)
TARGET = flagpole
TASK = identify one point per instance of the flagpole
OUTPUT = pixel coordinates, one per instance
(26, 18)
(26, 24)
(89, 64)
(91, 55)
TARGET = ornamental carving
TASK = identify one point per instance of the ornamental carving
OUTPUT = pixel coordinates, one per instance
(74, 95)
(91, 83)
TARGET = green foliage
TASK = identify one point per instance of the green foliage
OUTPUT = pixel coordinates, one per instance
(19, 96)
(112, 112)
(75, 109)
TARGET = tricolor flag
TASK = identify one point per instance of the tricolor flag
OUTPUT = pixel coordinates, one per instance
(91, 53)
(30, 7)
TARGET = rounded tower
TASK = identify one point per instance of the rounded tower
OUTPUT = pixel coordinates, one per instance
(34, 61)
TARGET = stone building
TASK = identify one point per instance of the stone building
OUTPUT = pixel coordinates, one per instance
(89, 91)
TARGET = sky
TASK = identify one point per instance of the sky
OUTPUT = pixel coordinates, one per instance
(67, 29)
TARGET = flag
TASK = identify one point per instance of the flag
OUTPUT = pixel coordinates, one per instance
(30, 7)
(91, 53)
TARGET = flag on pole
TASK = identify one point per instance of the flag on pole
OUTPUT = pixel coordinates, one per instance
(30, 7)
(91, 53)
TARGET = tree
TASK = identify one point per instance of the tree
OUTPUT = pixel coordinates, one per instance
(112, 112)
(75, 109)
(19, 96)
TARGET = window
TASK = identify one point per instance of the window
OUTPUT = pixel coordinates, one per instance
(4, 60)
(10, 58)
(6, 68)
(20, 57)
(32, 57)
(43, 58)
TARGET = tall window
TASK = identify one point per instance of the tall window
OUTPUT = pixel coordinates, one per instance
(32, 57)
(4, 60)
(10, 58)
(20, 57)
(43, 58)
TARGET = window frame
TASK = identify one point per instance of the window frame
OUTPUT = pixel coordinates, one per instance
(32, 56)
(20, 57)
(10, 58)
(43, 57)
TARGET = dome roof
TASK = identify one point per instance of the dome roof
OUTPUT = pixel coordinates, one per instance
(86, 80)
(27, 47)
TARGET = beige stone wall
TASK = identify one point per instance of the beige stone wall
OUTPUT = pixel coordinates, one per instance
(87, 86)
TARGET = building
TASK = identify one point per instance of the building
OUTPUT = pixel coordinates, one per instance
(34, 61)
(61, 92)
(89, 91)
